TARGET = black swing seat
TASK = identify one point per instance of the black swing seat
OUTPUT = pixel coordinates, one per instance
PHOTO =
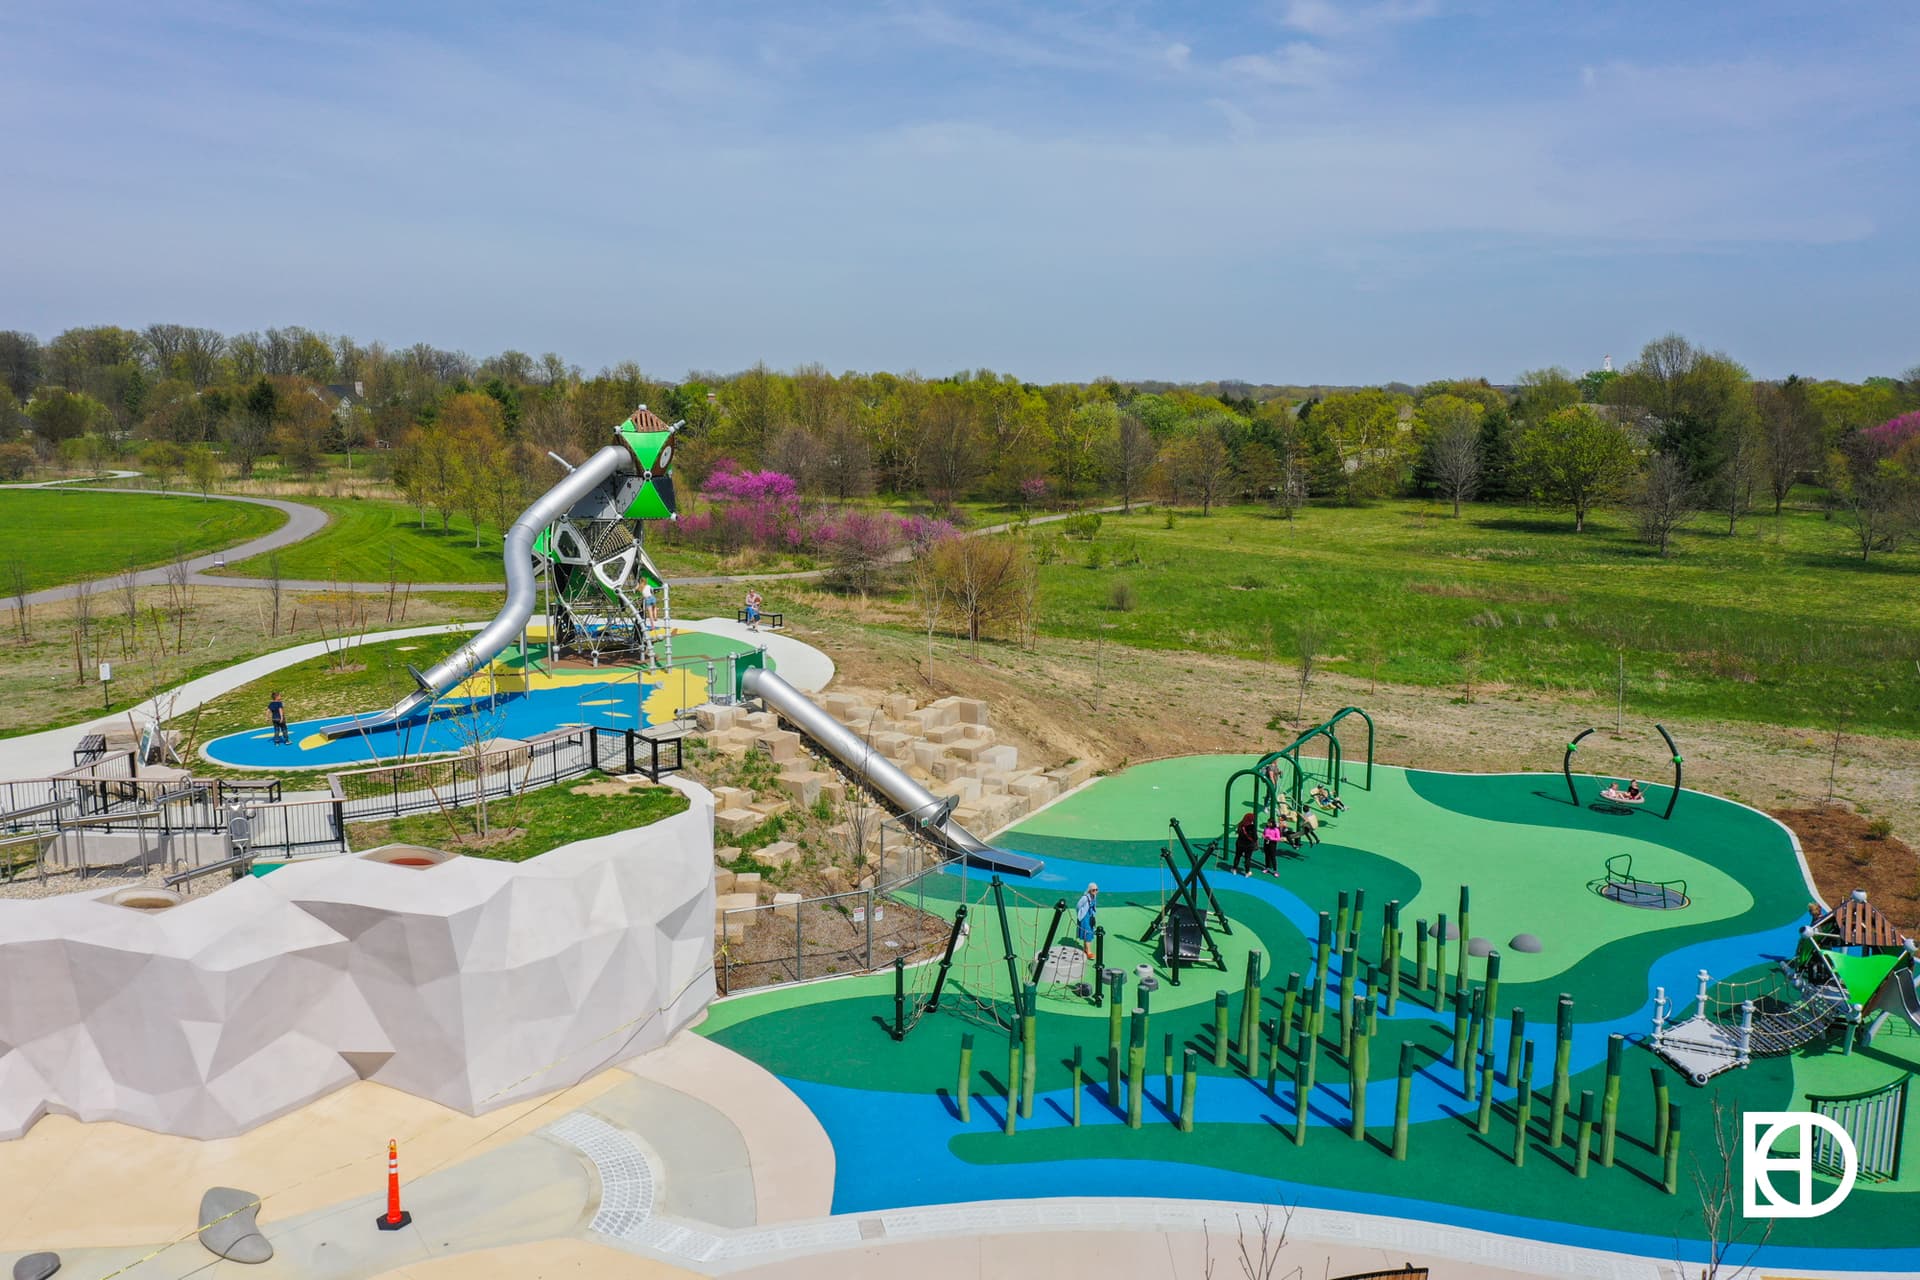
(1184, 930)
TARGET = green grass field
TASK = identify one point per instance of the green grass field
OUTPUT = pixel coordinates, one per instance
(545, 819)
(63, 536)
(1778, 623)
(368, 540)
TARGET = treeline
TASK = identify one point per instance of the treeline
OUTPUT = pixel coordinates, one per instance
(1679, 429)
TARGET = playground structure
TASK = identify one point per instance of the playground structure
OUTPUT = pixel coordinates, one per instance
(1265, 772)
(586, 532)
(1619, 884)
(1850, 961)
(1573, 792)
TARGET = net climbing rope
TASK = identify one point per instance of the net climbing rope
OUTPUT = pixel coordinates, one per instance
(1002, 940)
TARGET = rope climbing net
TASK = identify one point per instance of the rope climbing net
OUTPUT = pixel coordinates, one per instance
(997, 949)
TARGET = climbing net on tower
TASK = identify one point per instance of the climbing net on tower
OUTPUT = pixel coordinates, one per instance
(1003, 942)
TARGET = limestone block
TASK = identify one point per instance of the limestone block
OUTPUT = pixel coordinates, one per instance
(802, 786)
(924, 754)
(713, 719)
(771, 807)
(779, 854)
(750, 882)
(898, 705)
(1004, 758)
(737, 822)
(729, 853)
(731, 798)
(734, 742)
(760, 721)
(931, 718)
(1038, 788)
(894, 746)
(834, 788)
(738, 900)
(1077, 772)
(946, 768)
(969, 749)
(786, 905)
(976, 732)
(993, 783)
(735, 930)
(945, 734)
(967, 710)
(780, 745)
(835, 879)
(966, 789)
(722, 882)
(841, 706)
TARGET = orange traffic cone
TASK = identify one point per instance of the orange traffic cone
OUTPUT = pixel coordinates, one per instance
(395, 1217)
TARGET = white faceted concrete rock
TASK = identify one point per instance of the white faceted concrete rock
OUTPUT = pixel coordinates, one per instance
(472, 983)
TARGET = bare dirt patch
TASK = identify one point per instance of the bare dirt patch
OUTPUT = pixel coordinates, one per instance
(1845, 855)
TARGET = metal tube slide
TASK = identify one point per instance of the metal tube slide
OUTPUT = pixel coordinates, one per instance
(522, 591)
(914, 801)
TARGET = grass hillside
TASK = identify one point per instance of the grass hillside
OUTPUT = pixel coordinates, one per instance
(63, 536)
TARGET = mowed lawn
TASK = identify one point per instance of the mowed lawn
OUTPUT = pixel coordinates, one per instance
(1778, 623)
(62, 536)
(371, 540)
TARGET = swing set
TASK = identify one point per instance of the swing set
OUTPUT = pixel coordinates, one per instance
(1265, 773)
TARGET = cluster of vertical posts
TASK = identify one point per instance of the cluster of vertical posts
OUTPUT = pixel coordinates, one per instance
(1355, 993)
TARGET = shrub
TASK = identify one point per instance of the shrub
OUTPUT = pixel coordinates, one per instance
(1167, 521)
(16, 460)
(1120, 596)
(1083, 527)
(1879, 828)
(1095, 556)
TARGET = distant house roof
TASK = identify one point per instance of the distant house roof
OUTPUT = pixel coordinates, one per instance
(355, 390)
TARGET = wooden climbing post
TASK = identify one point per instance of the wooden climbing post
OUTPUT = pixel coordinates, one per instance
(1013, 1081)
(1189, 1083)
(1288, 1002)
(963, 1091)
(1220, 1002)
(1403, 1100)
(1583, 1135)
(1484, 1120)
(1610, 1099)
(1439, 962)
(1077, 1068)
(1466, 936)
(1491, 1007)
(1249, 1042)
(1459, 1029)
(1469, 1079)
(1516, 1037)
(1029, 1052)
(1419, 955)
(1672, 1179)
(1391, 947)
(1562, 1059)
(1136, 1066)
(1523, 1108)
(1347, 978)
(1357, 1083)
(1660, 1112)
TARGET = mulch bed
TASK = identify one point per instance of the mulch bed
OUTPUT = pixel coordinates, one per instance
(1845, 856)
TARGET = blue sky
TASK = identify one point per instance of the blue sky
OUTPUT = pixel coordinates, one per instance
(1286, 191)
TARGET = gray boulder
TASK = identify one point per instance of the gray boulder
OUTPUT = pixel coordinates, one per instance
(227, 1225)
(1478, 946)
(1526, 942)
(36, 1266)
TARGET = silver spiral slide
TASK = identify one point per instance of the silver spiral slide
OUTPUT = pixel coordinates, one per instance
(915, 803)
(522, 591)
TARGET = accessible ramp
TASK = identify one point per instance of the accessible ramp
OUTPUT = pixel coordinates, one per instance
(932, 815)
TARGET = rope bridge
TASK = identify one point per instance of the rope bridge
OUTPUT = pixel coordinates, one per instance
(1734, 1022)
(1002, 941)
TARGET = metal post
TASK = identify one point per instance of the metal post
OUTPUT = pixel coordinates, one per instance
(1659, 1013)
(799, 970)
(1746, 1032)
(1099, 964)
(899, 997)
(1701, 1012)
(869, 922)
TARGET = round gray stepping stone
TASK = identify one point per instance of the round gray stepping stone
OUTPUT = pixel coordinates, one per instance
(1526, 942)
(36, 1266)
(1452, 934)
(227, 1225)
(1478, 946)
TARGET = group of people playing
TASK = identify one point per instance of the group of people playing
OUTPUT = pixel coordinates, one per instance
(1283, 826)
(1630, 793)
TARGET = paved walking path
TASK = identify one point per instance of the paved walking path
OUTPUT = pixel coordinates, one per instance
(302, 522)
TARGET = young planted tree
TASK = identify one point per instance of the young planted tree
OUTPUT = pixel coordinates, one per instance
(1199, 464)
(1574, 458)
(1129, 454)
(985, 579)
(1452, 443)
(1662, 501)
(203, 469)
(1792, 435)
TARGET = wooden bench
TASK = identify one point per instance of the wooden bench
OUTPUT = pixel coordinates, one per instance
(91, 748)
(771, 621)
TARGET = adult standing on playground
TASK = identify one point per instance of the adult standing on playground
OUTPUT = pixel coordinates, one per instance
(1245, 837)
(1085, 917)
(277, 713)
(752, 609)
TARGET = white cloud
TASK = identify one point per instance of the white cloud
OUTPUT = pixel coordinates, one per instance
(1325, 18)
(1178, 56)
(1295, 65)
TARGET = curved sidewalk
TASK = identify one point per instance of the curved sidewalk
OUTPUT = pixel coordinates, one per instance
(302, 522)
